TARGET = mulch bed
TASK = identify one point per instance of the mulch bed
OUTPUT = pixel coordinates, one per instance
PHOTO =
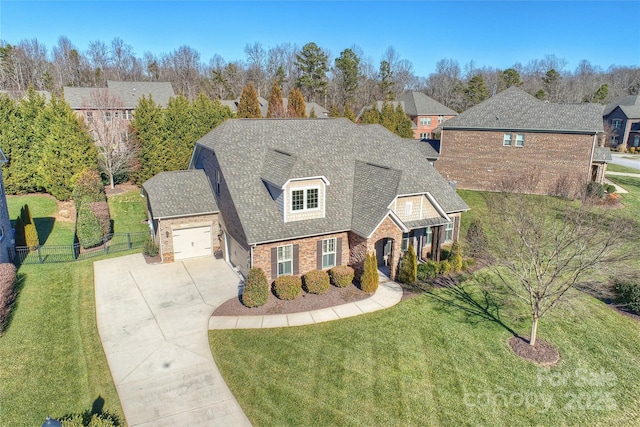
(305, 302)
(543, 353)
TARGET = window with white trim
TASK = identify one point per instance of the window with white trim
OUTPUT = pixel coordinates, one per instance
(636, 140)
(127, 114)
(285, 260)
(448, 232)
(116, 114)
(614, 140)
(429, 237)
(440, 119)
(107, 116)
(304, 199)
(520, 140)
(329, 253)
(425, 121)
(425, 135)
(408, 208)
(617, 123)
(405, 244)
(506, 141)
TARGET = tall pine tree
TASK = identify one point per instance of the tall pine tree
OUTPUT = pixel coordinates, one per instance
(147, 127)
(296, 106)
(276, 105)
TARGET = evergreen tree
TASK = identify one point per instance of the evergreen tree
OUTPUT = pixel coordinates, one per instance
(334, 112)
(456, 257)
(30, 232)
(66, 150)
(312, 113)
(551, 82)
(386, 82)
(296, 106)
(281, 76)
(276, 105)
(403, 123)
(476, 91)
(370, 116)
(408, 267)
(178, 135)
(601, 94)
(369, 279)
(348, 72)
(541, 94)
(249, 105)
(508, 78)
(388, 117)
(349, 114)
(312, 63)
(147, 132)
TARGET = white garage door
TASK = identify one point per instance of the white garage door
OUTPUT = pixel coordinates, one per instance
(191, 242)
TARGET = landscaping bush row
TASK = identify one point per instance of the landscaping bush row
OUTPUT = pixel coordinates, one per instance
(628, 293)
(256, 287)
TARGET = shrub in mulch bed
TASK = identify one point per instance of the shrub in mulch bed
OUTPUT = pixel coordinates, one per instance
(287, 287)
(256, 288)
(341, 276)
(316, 282)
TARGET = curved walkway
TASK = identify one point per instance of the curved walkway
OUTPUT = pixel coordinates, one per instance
(153, 322)
(389, 293)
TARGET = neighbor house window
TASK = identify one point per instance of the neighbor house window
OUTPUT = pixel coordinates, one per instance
(617, 123)
(440, 119)
(614, 139)
(328, 253)
(89, 116)
(429, 237)
(285, 260)
(127, 114)
(636, 140)
(107, 116)
(520, 140)
(507, 140)
(426, 135)
(304, 199)
(425, 121)
(448, 232)
(116, 114)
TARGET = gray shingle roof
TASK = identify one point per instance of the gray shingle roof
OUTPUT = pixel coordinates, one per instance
(514, 109)
(277, 167)
(602, 154)
(419, 104)
(129, 92)
(630, 106)
(17, 95)
(180, 193)
(334, 148)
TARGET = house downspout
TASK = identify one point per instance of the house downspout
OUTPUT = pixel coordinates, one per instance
(251, 255)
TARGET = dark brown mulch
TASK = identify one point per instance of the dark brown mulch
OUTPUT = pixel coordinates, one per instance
(153, 259)
(305, 302)
(543, 353)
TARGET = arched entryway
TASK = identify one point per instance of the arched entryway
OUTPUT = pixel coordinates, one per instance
(385, 254)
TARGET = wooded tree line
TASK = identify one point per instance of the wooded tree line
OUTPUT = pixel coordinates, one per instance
(49, 146)
(349, 78)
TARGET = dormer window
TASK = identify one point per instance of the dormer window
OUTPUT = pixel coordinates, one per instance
(304, 199)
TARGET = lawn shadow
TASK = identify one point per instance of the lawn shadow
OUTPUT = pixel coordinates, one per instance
(44, 225)
(17, 289)
(477, 307)
(96, 412)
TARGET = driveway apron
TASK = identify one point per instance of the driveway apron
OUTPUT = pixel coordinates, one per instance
(153, 322)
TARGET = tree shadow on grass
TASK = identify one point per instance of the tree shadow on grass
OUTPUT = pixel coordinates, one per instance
(44, 225)
(477, 306)
(89, 416)
(17, 288)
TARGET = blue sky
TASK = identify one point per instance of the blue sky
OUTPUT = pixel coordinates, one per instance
(491, 33)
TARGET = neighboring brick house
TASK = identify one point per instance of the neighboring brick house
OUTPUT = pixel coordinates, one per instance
(296, 195)
(183, 215)
(426, 113)
(129, 93)
(514, 137)
(6, 234)
(622, 118)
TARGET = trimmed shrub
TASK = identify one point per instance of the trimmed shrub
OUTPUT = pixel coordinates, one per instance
(428, 270)
(88, 187)
(88, 227)
(7, 292)
(628, 293)
(445, 254)
(27, 234)
(316, 282)
(287, 287)
(595, 189)
(256, 288)
(369, 279)
(456, 258)
(101, 211)
(408, 267)
(609, 188)
(445, 267)
(468, 263)
(341, 276)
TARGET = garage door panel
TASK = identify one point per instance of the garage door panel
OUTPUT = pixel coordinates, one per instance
(192, 242)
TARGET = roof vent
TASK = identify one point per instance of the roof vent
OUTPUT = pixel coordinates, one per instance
(282, 152)
(379, 166)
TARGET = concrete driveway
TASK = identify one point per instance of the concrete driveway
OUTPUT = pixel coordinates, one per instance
(153, 322)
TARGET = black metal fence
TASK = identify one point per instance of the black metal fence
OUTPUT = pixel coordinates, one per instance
(112, 243)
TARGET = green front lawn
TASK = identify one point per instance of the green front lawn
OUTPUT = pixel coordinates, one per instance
(428, 362)
(128, 211)
(617, 168)
(631, 201)
(43, 209)
(51, 357)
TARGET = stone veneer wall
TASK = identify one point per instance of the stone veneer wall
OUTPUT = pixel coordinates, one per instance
(307, 252)
(166, 227)
(478, 160)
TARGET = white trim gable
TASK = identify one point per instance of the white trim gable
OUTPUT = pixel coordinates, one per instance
(395, 219)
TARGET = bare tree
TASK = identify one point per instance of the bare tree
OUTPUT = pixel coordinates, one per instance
(109, 129)
(542, 247)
